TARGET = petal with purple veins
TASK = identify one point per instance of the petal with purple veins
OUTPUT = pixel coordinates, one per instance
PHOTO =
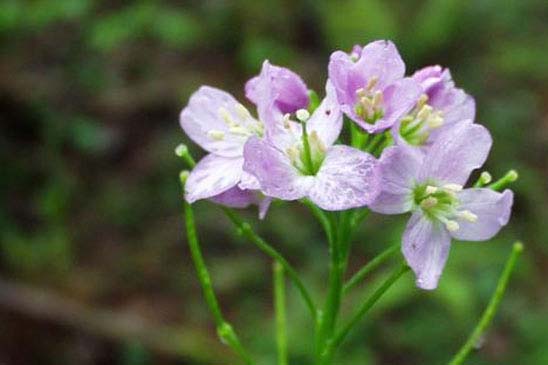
(273, 169)
(452, 159)
(398, 167)
(212, 176)
(483, 213)
(425, 247)
(327, 119)
(348, 178)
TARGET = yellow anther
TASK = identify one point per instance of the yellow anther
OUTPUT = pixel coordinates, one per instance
(453, 188)
(451, 226)
(372, 82)
(216, 135)
(424, 112)
(431, 189)
(227, 118)
(468, 216)
(429, 202)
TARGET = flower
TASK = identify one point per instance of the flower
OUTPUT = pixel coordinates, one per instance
(221, 125)
(371, 87)
(439, 108)
(430, 185)
(299, 160)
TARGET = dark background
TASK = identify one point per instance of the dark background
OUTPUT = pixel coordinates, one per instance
(94, 268)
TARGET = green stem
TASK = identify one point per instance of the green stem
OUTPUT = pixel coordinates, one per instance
(358, 137)
(224, 329)
(364, 308)
(279, 308)
(484, 179)
(371, 265)
(336, 273)
(248, 232)
(492, 307)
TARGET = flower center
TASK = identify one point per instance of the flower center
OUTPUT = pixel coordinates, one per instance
(416, 127)
(441, 203)
(240, 123)
(308, 152)
(370, 102)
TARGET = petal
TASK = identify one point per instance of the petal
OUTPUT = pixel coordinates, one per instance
(428, 76)
(399, 99)
(425, 248)
(272, 168)
(345, 77)
(207, 111)
(264, 206)
(398, 167)
(491, 208)
(348, 178)
(452, 159)
(249, 182)
(236, 198)
(327, 119)
(288, 90)
(212, 176)
(381, 59)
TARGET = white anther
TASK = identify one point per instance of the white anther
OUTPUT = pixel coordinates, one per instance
(361, 92)
(468, 216)
(424, 112)
(302, 115)
(451, 226)
(423, 99)
(372, 82)
(435, 120)
(431, 189)
(227, 118)
(378, 99)
(453, 188)
(486, 177)
(240, 131)
(292, 153)
(366, 102)
(243, 113)
(181, 150)
(429, 202)
(216, 135)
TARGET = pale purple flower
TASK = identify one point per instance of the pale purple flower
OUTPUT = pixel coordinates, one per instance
(371, 88)
(430, 186)
(221, 125)
(440, 107)
(341, 178)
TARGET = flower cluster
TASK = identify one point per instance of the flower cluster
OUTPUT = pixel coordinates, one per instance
(293, 150)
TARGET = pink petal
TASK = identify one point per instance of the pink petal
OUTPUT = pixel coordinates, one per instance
(212, 176)
(204, 113)
(273, 169)
(327, 119)
(398, 167)
(491, 208)
(453, 158)
(426, 248)
(381, 59)
(348, 178)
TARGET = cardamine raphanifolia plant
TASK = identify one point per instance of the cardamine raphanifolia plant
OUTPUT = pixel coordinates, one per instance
(411, 146)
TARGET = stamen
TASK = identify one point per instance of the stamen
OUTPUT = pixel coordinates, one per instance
(361, 92)
(227, 118)
(452, 226)
(435, 120)
(240, 131)
(424, 112)
(293, 154)
(486, 177)
(378, 99)
(423, 99)
(243, 113)
(429, 202)
(216, 135)
(372, 82)
(453, 188)
(302, 115)
(431, 189)
(316, 143)
(468, 216)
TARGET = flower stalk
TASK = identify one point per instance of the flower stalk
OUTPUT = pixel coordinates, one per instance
(280, 313)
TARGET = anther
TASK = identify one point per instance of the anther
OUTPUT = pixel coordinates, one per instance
(468, 216)
(239, 131)
(423, 99)
(216, 135)
(486, 177)
(424, 112)
(452, 226)
(302, 115)
(372, 82)
(454, 188)
(431, 189)
(429, 202)
(227, 118)
(242, 111)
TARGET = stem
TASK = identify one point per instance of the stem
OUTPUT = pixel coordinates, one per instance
(364, 308)
(375, 142)
(370, 266)
(248, 232)
(279, 308)
(358, 138)
(492, 307)
(336, 272)
(224, 329)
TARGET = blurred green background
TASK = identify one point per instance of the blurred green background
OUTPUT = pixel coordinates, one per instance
(93, 264)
